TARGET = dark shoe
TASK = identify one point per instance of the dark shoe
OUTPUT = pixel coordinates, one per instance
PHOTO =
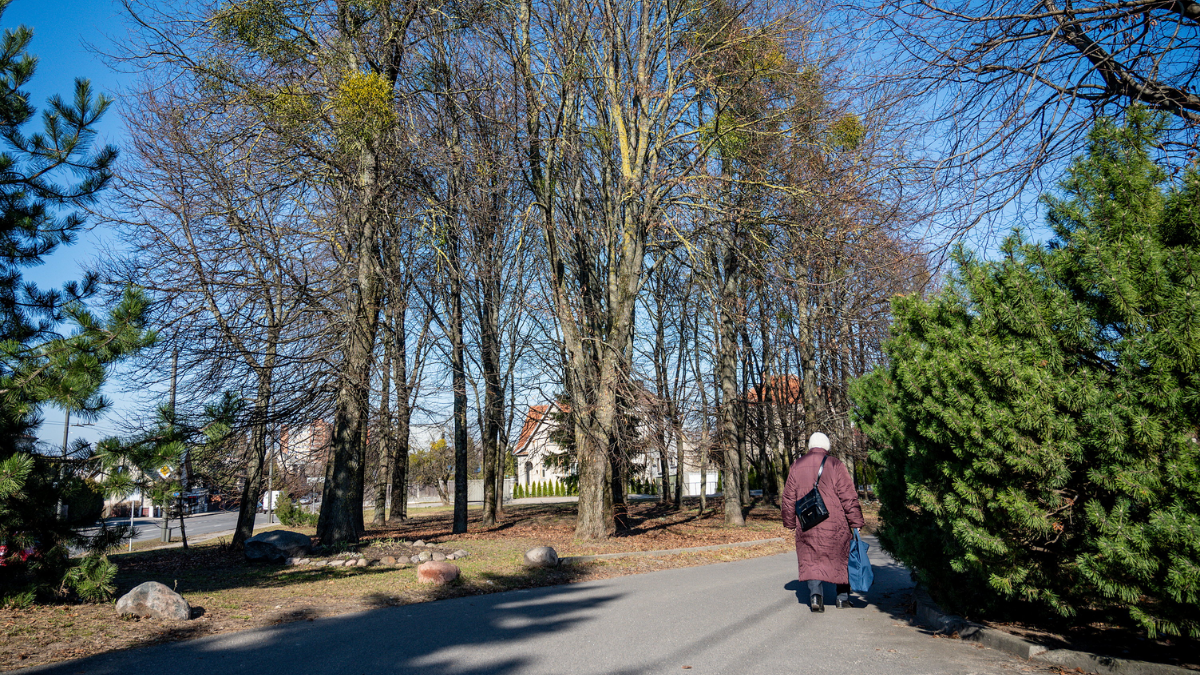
(844, 604)
(816, 603)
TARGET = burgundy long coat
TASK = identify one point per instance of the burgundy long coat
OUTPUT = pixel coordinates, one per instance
(823, 551)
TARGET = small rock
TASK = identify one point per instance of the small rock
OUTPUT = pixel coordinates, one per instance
(156, 601)
(460, 553)
(320, 563)
(362, 562)
(336, 563)
(415, 559)
(439, 573)
(419, 542)
(438, 557)
(387, 560)
(542, 556)
(290, 561)
(451, 557)
(302, 561)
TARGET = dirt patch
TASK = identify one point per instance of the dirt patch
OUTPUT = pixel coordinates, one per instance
(227, 594)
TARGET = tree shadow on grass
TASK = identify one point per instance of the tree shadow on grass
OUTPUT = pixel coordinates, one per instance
(636, 518)
(428, 637)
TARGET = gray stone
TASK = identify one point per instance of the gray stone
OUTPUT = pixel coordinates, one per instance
(419, 542)
(156, 601)
(320, 563)
(542, 556)
(423, 556)
(415, 559)
(336, 563)
(459, 553)
(277, 546)
(438, 557)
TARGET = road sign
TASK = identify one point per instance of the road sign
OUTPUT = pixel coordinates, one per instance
(164, 470)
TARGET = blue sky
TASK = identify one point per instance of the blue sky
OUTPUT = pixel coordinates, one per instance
(61, 30)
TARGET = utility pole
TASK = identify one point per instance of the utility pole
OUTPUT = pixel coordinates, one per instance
(183, 460)
(270, 484)
(166, 519)
(58, 509)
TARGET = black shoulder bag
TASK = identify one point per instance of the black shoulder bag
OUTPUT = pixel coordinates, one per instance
(810, 509)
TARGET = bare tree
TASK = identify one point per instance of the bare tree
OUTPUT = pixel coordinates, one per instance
(198, 193)
(1006, 90)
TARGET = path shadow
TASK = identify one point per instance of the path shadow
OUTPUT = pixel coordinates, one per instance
(891, 592)
(470, 635)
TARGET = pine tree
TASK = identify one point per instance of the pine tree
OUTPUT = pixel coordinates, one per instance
(42, 175)
(1037, 423)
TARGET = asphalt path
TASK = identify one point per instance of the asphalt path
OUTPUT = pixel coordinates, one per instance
(740, 617)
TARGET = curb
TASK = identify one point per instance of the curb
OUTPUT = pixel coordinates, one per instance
(932, 616)
(571, 560)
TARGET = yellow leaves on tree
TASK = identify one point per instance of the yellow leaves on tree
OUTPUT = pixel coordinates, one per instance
(847, 132)
(362, 106)
(258, 24)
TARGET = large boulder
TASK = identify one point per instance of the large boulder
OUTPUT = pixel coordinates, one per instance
(156, 601)
(440, 573)
(542, 556)
(277, 546)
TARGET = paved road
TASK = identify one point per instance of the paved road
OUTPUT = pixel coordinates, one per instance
(198, 525)
(741, 617)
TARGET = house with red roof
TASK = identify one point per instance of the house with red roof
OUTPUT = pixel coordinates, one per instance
(539, 457)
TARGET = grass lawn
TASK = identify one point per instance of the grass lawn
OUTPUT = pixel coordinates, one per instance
(228, 594)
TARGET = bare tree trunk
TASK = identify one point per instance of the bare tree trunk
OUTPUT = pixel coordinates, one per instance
(493, 412)
(399, 477)
(742, 415)
(340, 520)
(704, 436)
(660, 381)
(727, 376)
(673, 399)
(252, 489)
(458, 367)
(386, 447)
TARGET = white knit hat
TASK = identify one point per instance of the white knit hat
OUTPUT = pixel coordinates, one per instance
(818, 440)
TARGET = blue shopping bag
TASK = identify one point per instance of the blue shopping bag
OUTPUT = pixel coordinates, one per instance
(859, 567)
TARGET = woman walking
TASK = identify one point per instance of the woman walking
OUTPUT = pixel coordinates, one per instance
(823, 551)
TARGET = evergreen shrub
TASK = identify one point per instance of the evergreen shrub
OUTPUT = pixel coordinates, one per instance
(1036, 427)
(291, 514)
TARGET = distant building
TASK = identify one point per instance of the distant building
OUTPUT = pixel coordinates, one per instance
(305, 449)
(540, 458)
